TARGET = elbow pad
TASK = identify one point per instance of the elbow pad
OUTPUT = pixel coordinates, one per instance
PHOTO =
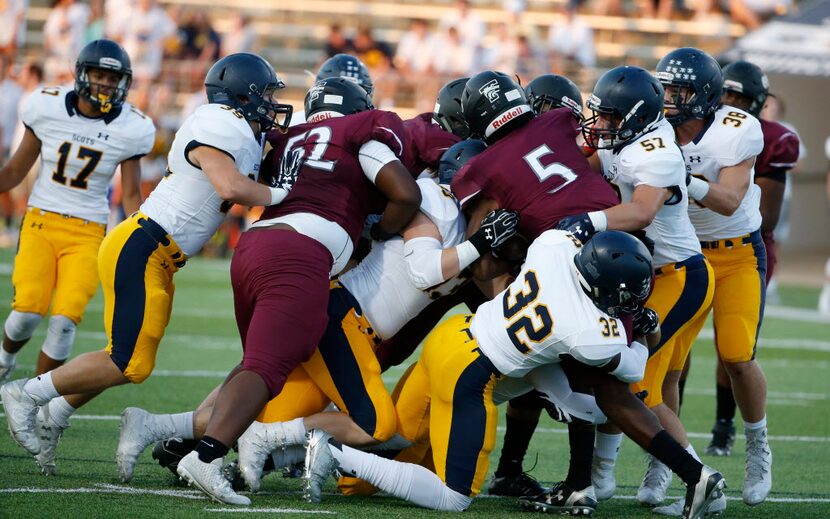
(632, 366)
(423, 262)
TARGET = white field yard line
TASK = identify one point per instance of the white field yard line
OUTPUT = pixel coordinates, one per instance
(706, 435)
(194, 495)
(268, 511)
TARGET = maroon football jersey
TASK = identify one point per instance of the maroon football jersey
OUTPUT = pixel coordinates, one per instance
(539, 171)
(319, 162)
(426, 142)
(780, 149)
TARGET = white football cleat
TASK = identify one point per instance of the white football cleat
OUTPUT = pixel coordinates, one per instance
(319, 464)
(21, 409)
(655, 483)
(707, 489)
(254, 447)
(758, 468)
(49, 434)
(208, 478)
(716, 507)
(6, 371)
(602, 478)
(139, 429)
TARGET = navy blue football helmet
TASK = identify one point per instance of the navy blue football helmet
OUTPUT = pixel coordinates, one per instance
(104, 55)
(247, 82)
(493, 104)
(335, 95)
(456, 156)
(748, 80)
(447, 111)
(347, 66)
(633, 101)
(550, 91)
(615, 270)
(697, 81)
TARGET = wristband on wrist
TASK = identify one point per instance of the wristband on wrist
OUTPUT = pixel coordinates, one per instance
(278, 194)
(599, 220)
(480, 243)
(697, 188)
(467, 254)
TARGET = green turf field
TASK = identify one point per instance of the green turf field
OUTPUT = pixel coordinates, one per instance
(202, 345)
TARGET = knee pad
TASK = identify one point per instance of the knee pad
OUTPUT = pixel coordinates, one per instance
(21, 325)
(59, 337)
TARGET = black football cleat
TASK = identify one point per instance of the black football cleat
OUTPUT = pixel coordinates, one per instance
(169, 452)
(562, 500)
(723, 437)
(708, 488)
(517, 485)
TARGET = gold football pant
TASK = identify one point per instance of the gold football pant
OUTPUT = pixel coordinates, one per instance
(137, 261)
(56, 263)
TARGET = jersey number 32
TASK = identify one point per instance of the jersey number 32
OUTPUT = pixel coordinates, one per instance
(533, 320)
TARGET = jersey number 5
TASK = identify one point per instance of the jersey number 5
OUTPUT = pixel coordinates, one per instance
(536, 323)
(534, 160)
(92, 157)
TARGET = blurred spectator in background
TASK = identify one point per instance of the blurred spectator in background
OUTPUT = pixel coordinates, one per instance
(63, 37)
(10, 95)
(373, 53)
(117, 15)
(337, 43)
(454, 58)
(12, 26)
(515, 8)
(571, 44)
(530, 60)
(143, 38)
(468, 24)
(500, 50)
(415, 49)
(200, 42)
(241, 37)
(97, 23)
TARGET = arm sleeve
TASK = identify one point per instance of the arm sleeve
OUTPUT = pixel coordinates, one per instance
(784, 152)
(30, 111)
(423, 262)
(373, 155)
(146, 138)
(388, 129)
(661, 170)
(465, 185)
(220, 129)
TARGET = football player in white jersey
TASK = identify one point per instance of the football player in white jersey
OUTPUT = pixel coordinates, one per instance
(213, 162)
(82, 136)
(639, 155)
(719, 145)
(560, 308)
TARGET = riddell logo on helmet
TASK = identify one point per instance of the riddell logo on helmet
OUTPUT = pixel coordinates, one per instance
(506, 117)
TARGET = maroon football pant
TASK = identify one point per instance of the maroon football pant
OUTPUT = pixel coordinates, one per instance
(280, 284)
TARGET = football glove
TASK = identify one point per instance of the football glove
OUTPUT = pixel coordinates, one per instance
(579, 225)
(646, 322)
(496, 228)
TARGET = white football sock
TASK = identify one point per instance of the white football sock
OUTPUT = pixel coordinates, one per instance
(294, 431)
(6, 358)
(41, 388)
(607, 446)
(407, 481)
(756, 426)
(60, 411)
(182, 424)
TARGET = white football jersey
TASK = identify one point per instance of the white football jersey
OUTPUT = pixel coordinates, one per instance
(544, 314)
(733, 137)
(381, 282)
(79, 155)
(655, 159)
(185, 203)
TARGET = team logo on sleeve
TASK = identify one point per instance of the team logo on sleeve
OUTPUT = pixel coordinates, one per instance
(491, 90)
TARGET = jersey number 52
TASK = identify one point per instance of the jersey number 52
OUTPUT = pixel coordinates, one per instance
(534, 320)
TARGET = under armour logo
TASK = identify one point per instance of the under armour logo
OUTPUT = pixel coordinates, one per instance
(165, 265)
(491, 90)
(38, 225)
(488, 233)
(104, 136)
(694, 158)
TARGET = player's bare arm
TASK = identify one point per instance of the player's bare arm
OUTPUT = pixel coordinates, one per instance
(724, 197)
(131, 185)
(772, 198)
(229, 183)
(21, 162)
(640, 212)
(395, 182)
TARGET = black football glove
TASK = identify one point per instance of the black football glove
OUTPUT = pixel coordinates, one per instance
(496, 228)
(579, 225)
(646, 322)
